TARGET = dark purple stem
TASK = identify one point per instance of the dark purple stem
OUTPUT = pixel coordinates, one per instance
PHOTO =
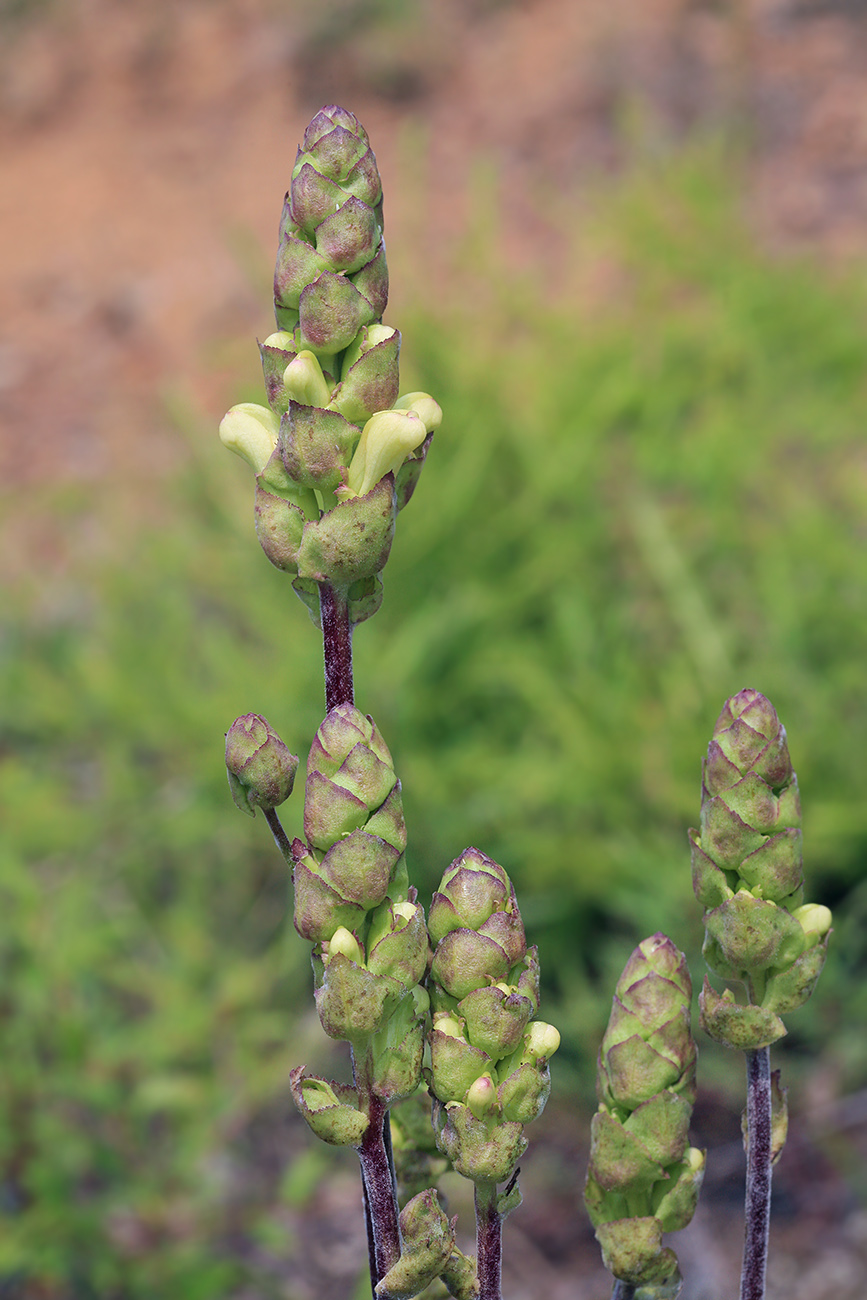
(281, 839)
(623, 1290)
(377, 1174)
(337, 644)
(379, 1185)
(758, 1201)
(489, 1241)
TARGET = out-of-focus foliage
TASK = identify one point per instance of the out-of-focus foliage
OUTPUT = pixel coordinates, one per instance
(626, 516)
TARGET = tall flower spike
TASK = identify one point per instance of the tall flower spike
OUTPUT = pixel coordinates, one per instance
(337, 452)
(643, 1178)
(748, 874)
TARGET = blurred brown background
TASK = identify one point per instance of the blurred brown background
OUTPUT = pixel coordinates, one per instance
(146, 147)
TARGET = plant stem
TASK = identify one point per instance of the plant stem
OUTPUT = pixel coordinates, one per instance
(337, 645)
(758, 1200)
(489, 1241)
(281, 839)
(377, 1176)
(379, 1183)
(622, 1290)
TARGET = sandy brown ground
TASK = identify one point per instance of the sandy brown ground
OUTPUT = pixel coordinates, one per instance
(144, 151)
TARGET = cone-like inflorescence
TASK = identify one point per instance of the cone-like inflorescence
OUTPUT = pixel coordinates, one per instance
(748, 875)
(260, 768)
(353, 902)
(489, 1058)
(337, 452)
(644, 1178)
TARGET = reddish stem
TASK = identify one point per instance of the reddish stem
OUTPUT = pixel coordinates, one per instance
(758, 1199)
(489, 1241)
(337, 645)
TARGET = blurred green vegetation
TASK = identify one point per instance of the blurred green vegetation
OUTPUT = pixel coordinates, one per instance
(627, 515)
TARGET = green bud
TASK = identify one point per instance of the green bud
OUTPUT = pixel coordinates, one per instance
(304, 381)
(386, 440)
(344, 941)
(330, 1109)
(423, 405)
(815, 920)
(482, 1096)
(251, 432)
(260, 768)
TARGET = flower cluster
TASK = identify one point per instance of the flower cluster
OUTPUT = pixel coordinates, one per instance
(337, 451)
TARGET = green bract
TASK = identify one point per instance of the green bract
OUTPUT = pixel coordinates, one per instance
(748, 874)
(643, 1177)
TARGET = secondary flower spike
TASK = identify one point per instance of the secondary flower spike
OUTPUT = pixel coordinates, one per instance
(338, 450)
(488, 1057)
(748, 874)
(644, 1178)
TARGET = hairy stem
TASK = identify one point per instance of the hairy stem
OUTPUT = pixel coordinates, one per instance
(489, 1241)
(337, 645)
(379, 1184)
(758, 1200)
(377, 1175)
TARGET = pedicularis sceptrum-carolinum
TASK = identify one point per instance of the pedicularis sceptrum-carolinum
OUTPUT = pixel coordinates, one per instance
(441, 1017)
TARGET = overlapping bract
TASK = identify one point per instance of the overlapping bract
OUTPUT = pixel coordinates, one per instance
(337, 452)
(644, 1178)
(489, 1059)
(748, 874)
(260, 769)
(353, 902)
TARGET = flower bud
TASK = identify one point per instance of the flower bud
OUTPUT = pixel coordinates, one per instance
(260, 768)
(386, 440)
(482, 1096)
(423, 405)
(344, 941)
(815, 920)
(251, 432)
(304, 381)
